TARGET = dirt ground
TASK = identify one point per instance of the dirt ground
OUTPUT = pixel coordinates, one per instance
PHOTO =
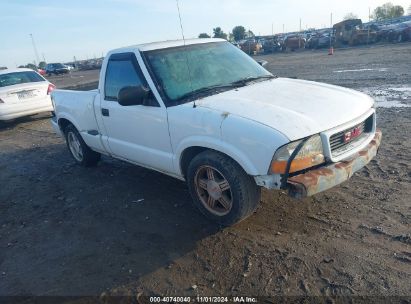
(119, 229)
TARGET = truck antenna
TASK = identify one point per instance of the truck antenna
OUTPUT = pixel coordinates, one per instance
(185, 52)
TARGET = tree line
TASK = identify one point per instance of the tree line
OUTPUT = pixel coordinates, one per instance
(41, 65)
(383, 12)
(238, 33)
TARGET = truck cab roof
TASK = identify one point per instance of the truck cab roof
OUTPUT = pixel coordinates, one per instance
(164, 44)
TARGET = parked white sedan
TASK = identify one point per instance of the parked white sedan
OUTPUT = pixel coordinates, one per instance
(23, 92)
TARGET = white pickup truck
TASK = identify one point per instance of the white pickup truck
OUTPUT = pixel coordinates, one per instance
(205, 112)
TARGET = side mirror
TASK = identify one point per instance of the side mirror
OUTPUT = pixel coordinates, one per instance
(262, 62)
(133, 95)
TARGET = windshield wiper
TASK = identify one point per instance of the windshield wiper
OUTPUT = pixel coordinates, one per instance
(246, 80)
(236, 84)
(209, 89)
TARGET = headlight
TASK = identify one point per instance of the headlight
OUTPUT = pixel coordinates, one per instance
(311, 154)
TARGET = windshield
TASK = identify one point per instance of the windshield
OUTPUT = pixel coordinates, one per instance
(18, 78)
(216, 64)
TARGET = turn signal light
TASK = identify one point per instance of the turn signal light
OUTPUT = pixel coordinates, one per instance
(297, 164)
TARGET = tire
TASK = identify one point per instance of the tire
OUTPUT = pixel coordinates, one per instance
(221, 189)
(78, 149)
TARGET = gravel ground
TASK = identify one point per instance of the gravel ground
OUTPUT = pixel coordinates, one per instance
(118, 229)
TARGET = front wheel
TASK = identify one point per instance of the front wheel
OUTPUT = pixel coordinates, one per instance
(221, 189)
(79, 150)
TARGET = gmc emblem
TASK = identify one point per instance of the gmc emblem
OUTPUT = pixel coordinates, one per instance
(350, 135)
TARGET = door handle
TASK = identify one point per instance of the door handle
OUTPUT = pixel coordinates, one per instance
(105, 112)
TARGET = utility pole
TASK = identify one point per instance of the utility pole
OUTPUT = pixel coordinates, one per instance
(369, 19)
(35, 49)
(299, 37)
(332, 30)
(272, 29)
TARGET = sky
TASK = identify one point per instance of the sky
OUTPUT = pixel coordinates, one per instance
(90, 28)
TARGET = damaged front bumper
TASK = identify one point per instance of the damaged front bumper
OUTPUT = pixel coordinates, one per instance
(324, 178)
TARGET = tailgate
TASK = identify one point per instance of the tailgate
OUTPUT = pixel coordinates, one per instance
(77, 107)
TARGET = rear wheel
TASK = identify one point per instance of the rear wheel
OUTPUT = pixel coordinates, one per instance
(79, 150)
(221, 189)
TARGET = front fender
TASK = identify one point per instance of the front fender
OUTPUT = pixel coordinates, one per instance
(257, 142)
(250, 143)
(218, 145)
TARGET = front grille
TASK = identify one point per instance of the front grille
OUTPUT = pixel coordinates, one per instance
(339, 143)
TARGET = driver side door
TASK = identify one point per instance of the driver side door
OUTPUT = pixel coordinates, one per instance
(137, 133)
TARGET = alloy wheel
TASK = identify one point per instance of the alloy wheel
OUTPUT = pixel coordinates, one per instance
(213, 190)
(75, 146)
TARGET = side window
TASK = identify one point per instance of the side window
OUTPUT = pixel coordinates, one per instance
(120, 73)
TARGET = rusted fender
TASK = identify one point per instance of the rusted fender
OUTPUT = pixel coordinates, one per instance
(324, 178)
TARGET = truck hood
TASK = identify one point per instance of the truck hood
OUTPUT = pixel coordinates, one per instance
(296, 108)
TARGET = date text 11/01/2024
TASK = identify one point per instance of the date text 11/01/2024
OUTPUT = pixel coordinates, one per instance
(199, 299)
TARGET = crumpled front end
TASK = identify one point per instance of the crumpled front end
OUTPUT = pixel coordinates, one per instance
(324, 178)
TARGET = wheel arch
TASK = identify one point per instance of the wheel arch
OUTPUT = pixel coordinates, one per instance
(64, 121)
(187, 153)
(187, 156)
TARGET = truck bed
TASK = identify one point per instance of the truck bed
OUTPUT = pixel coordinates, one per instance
(79, 108)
